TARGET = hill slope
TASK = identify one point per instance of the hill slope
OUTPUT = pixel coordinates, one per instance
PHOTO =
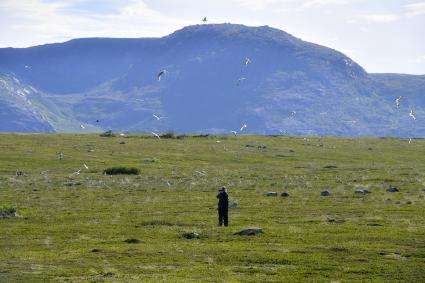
(290, 86)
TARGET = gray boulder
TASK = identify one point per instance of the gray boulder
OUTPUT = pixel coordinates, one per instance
(325, 193)
(392, 190)
(250, 231)
(271, 194)
(285, 194)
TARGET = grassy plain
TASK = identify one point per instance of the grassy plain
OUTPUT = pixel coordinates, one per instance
(73, 226)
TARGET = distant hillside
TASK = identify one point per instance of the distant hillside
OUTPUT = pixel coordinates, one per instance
(288, 86)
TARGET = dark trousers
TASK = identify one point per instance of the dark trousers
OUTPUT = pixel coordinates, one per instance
(223, 216)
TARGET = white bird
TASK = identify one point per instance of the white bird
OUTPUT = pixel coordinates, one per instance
(234, 132)
(168, 184)
(238, 82)
(398, 101)
(157, 117)
(204, 19)
(161, 74)
(410, 140)
(85, 166)
(243, 127)
(82, 126)
(77, 172)
(247, 61)
(412, 114)
(156, 135)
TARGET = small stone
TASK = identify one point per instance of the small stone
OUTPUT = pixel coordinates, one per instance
(95, 250)
(285, 194)
(392, 190)
(325, 193)
(122, 142)
(132, 241)
(250, 231)
(271, 194)
(234, 205)
(374, 225)
(191, 235)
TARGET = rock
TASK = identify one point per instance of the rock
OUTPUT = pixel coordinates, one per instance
(361, 191)
(250, 231)
(9, 214)
(325, 193)
(271, 194)
(374, 225)
(132, 241)
(392, 190)
(285, 194)
(108, 275)
(191, 235)
(234, 205)
(95, 250)
(122, 142)
(366, 191)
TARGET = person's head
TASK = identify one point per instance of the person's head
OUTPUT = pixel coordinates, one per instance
(223, 189)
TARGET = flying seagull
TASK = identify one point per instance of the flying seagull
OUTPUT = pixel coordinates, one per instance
(204, 19)
(82, 126)
(243, 127)
(412, 114)
(234, 132)
(238, 82)
(156, 135)
(398, 101)
(247, 61)
(161, 74)
(157, 117)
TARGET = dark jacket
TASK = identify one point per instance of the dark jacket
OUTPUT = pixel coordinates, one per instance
(223, 201)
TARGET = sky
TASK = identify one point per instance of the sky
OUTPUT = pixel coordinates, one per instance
(383, 36)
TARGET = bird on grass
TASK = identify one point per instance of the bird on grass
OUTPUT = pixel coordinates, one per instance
(412, 114)
(85, 166)
(398, 101)
(156, 135)
(161, 74)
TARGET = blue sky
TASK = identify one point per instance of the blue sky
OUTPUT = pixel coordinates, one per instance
(381, 35)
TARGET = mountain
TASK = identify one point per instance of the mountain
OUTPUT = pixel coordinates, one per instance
(290, 86)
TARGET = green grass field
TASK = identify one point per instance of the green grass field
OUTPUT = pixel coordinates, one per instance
(307, 237)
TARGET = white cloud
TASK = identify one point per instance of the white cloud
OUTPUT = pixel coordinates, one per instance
(415, 9)
(420, 59)
(52, 21)
(317, 3)
(262, 4)
(381, 18)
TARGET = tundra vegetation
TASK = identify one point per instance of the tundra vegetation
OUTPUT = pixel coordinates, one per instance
(95, 227)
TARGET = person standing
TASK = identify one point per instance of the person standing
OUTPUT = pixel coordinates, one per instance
(223, 207)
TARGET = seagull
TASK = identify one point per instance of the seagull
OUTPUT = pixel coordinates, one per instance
(85, 166)
(156, 135)
(97, 121)
(161, 74)
(410, 140)
(204, 19)
(243, 127)
(157, 117)
(76, 172)
(292, 114)
(247, 61)
(398, 101)
(412, 114)
(238, 82)
(82, 126)
(234, 132)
